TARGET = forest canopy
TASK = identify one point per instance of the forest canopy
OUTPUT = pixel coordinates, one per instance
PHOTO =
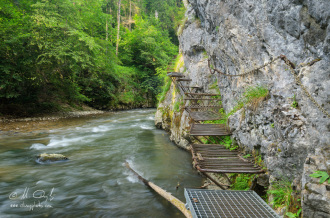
(104, 53)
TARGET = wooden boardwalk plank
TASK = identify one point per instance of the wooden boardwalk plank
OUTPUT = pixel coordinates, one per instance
(193, 87)
(202, 99)
(216, 158)
(203, 107)
(184, 80)
(175, 74)
(205, 115)
(201, 94)
(209, 130)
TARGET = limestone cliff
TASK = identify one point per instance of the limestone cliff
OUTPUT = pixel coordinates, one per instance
(239, 35)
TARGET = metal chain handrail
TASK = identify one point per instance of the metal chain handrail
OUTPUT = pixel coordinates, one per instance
(243, 74)
(292, 71)
(285, 59)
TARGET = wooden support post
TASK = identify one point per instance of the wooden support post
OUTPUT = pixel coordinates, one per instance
(215, 182)
(176, 202)
(225, 175)
(195, 137)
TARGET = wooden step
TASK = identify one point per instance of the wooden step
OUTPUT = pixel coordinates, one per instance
(193, 87)
(201, 94)
(202, 107)
(209, 130)
(183, 80)
(216, 158)
(208, 99)
(175, 74)
(205, 115)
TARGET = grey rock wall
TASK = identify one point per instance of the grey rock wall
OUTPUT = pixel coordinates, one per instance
(239, 35)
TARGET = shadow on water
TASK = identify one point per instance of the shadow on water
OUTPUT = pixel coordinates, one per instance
(94, 182)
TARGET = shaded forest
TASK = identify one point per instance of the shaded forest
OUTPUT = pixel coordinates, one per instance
(107, 54)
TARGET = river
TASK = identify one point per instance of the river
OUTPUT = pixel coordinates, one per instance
(94, 182)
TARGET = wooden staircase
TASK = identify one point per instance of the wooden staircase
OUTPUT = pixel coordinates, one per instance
(210, 158)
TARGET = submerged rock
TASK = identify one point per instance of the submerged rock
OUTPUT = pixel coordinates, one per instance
(51, 158)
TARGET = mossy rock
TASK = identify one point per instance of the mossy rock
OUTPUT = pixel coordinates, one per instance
(51, 158)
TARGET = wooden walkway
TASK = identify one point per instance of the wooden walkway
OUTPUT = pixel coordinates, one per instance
(209, 130)
(204, 115)
(210, 158)
(216, 158)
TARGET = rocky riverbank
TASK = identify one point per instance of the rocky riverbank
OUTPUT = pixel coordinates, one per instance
(10, 125)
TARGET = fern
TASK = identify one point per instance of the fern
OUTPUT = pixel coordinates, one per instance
(324, 176)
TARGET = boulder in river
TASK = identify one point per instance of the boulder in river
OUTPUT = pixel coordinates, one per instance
(51, 158)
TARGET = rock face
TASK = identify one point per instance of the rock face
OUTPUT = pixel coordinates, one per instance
(239, 35)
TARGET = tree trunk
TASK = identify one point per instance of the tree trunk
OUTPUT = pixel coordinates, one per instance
(106, 28)
(130, 16)
(118, 27)
(176, 202)
(110, 12)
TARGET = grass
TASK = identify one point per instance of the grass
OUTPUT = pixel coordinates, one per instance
(178, 63)
(283, 196)
(177, 105)
(165, 89)
(252, 97)
(181, 26)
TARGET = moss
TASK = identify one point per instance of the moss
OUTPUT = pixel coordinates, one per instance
(165, 89)
(181, 26)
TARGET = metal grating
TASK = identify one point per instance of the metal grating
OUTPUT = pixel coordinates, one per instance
(224, 203)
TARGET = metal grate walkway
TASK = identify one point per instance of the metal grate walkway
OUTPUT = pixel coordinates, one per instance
(223, 203)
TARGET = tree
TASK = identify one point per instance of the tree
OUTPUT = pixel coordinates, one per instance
(118, 26)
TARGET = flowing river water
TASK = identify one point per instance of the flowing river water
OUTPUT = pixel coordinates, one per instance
(94, 182)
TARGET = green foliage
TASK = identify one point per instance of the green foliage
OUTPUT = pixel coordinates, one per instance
(178, 63)
(281, 191)
(293, 215)
(214, 85)
(284, 196)
(165, 89)
(252, 96)
(272, 125)
(247, 156)
(242, 181)
(170, 13)
(56, 51)
(205, 55)
(177, 105)
(294, 103)
(324, 176)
